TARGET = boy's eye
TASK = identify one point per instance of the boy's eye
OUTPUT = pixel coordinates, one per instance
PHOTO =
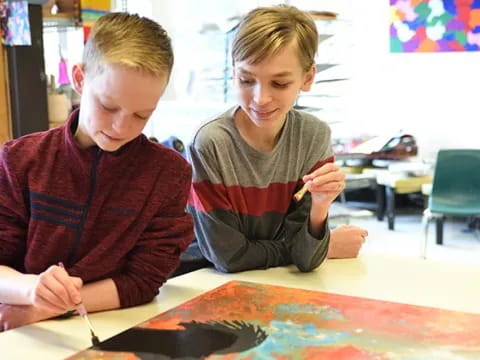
(141, 117)
(281, 85)
(107, 108)
(245, 81)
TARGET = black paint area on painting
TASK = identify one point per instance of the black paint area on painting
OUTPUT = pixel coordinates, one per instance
(195, 341)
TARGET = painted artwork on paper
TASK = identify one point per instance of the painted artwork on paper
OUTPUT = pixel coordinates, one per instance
(91, 11)
(244, 320)
(434, 25)
(14, 23)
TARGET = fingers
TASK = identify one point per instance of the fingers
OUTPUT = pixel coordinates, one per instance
(350, 234)
(3, 320)
(328, 179)
(334, 187)
(323, 170)
(352, 228)
(361, 234)
(64, 286)
(333, 174)
(71, 285)
(45, 298)
(78, 283)
(56, 291)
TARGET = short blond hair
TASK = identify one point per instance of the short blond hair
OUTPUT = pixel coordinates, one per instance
(129, 40)
(266, 30)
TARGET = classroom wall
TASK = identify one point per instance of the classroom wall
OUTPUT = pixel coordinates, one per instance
(431, 95)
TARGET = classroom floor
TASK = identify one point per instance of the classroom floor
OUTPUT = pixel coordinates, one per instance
(461, 244)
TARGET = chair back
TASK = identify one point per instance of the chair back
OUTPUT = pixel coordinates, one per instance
(456, 183)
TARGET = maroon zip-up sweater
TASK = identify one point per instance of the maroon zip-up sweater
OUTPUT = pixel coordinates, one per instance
(118, 215)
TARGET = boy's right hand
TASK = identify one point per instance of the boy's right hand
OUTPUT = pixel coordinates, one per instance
(54, 290)
(325, 184)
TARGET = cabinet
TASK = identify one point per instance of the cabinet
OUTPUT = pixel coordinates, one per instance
(27, 80)
(5, 131)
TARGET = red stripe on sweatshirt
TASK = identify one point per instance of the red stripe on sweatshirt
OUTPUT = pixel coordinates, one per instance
(319, 164)
(206, 196)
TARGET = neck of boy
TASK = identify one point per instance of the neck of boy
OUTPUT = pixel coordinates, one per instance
(81, 137)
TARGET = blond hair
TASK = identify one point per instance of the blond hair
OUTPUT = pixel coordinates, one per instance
(266, 30)
(129, 40)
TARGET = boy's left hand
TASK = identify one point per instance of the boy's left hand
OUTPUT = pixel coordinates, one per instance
(13, 316)
(325, 184)
(346, 241)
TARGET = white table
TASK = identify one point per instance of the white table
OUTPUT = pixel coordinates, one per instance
(405, 280)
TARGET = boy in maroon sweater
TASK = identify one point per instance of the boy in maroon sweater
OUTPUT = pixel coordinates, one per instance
(95, 194)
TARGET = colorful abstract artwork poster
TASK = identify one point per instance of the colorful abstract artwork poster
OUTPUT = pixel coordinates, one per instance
(14, 23)
(434, 25)
(91, 11)
(244, 320)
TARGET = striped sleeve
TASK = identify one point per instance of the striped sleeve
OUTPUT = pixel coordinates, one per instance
(307, 251)
(13, 226)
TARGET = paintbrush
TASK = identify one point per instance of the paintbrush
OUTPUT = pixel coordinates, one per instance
(300, 193)
(82, 311)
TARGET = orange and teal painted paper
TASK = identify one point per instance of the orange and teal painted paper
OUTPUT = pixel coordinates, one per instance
(434, 25)
(304, 324)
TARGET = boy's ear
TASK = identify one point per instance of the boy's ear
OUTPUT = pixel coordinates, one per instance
(78, 77)
(308, 78)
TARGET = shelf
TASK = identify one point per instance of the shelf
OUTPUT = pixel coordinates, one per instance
(323, 67)
(330, 80)
(61, 20)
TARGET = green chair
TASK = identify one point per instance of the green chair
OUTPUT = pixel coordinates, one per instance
(455, 189)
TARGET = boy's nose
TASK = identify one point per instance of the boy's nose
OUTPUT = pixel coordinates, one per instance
(261, 95)
(121, 124)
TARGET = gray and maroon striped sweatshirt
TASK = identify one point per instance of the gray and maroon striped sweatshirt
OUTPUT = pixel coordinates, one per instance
(242, 199)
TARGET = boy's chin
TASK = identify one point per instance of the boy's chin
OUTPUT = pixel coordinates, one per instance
(109, 147)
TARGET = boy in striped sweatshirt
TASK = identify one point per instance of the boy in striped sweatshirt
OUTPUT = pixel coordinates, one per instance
(249, 162)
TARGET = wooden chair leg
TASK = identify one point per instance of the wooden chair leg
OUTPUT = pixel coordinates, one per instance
(439, 226)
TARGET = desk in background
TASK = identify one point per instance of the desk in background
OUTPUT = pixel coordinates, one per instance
(404, 280)
(401, 177)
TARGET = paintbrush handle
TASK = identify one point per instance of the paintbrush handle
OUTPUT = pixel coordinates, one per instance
(82, 311)
(300, 193)
(80, 307)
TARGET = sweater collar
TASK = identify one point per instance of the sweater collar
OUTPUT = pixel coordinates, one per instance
(71, 127)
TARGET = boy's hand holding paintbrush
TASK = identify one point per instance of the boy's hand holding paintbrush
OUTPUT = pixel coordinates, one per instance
(55, 290)
(51, 293)
(82, 311)
(37, 297)
(324, 184)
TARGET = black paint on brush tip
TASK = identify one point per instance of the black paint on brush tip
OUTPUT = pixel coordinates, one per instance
(95, 340)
